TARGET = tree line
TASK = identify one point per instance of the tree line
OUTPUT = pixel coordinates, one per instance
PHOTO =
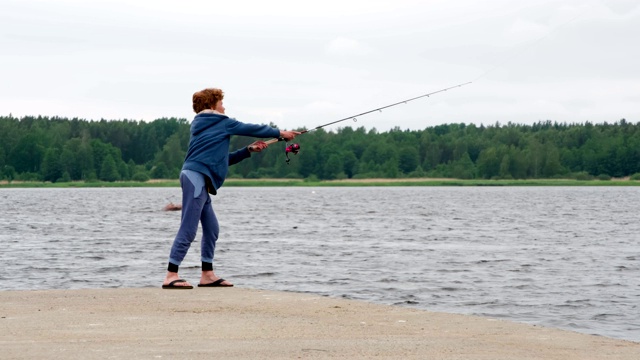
(60, 149)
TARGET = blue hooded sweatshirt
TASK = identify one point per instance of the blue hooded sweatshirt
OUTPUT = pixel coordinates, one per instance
(208, 151)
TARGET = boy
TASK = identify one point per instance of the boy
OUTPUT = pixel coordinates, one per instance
(205, 168)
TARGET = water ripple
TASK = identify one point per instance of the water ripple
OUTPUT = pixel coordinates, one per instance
(561, 257)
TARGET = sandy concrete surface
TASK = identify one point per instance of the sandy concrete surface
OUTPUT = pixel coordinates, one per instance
(237, 323)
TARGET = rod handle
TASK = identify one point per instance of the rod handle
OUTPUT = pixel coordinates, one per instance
(274, 140)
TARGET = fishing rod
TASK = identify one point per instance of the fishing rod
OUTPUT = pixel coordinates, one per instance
(295, 148)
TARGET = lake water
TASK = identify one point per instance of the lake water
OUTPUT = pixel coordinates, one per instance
(565, 257)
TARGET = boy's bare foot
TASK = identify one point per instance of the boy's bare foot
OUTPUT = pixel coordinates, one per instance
(172, 281)
(209, 277)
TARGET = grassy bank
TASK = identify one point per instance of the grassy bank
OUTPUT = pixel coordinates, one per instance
(349, 182)
(432, 182)
(82, 184)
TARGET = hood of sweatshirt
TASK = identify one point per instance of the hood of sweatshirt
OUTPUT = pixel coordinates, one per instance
(205, 120)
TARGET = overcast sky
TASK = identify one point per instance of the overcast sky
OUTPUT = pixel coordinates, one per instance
(303, 64)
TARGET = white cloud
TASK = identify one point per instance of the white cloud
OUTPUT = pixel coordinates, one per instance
(622, 7)
(522, 30)
(347, 47)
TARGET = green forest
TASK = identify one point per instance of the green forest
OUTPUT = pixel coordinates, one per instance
(54, 149)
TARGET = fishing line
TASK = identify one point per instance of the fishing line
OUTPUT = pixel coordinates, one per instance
(526, 48)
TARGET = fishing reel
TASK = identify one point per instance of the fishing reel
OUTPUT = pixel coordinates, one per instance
(291, 148)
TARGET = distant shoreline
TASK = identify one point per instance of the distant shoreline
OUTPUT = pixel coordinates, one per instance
(334, 183)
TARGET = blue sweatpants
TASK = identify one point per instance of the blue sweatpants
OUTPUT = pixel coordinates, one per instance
(196, 207)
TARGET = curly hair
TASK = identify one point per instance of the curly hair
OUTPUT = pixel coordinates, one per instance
(206, 99)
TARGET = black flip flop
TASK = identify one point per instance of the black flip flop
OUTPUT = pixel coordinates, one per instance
(172, 285)
(217, 283)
